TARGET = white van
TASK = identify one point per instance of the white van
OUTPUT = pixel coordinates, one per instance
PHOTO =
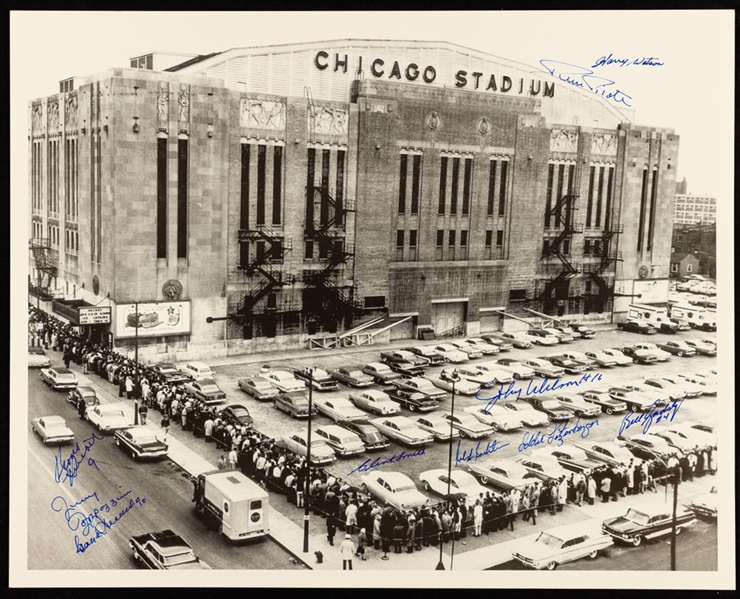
(699, 318)
(653, 315)
(197, 370)
(341, 440)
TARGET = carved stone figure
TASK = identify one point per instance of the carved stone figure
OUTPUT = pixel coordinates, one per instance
(433, 121)
(163, 103)
(484, 126)
(37, 114)
(183, 99)
(70, 111)
(604, 143)
(262, 114)
(331, 121)
(172, 289)
(53, 117)
(563, 140)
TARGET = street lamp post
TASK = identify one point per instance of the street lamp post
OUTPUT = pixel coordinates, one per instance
(307, 481)
(136, 363)
(455, 378)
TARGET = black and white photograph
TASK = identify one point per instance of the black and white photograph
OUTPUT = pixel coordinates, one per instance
(375, 299)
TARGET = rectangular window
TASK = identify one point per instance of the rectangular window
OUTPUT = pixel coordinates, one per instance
(161, 197)
(261, 175)
(309, 250)
(440, 245)
(402, 185)
(653, 207)
(643, 202)
(455, 179)
(488, 250)
(340, 189)
(451, 245)
(182, 198)
(559, 196)
(517, 294)
(599, 195)
(566, 247)
(608, 210)
(674, 267)
(589, 206)
(399, 246)
(277, 184)
(491, 186)
(502, 195)
(442, 185)
(415, 184)
(499, 239)
(412, 245)
(244, 254)
(467, 176)
(586, 247)
(310, 192)
(244, 190)
(463, 245)
(689, 267)
(545, 247)
(325, 166)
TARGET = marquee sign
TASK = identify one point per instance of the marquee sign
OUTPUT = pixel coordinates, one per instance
(94, 314)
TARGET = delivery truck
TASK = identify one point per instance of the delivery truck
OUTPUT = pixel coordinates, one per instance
(653, 315)
(699, 318)
(239, 506)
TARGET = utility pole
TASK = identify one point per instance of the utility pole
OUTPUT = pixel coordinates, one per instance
(673, 523)
(307, 482)
(136, 364)
(455, 378)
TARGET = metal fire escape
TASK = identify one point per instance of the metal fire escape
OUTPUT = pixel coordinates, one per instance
(45, 265)
(609, 257)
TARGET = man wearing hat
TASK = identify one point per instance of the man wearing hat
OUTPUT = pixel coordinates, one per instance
(347, 549)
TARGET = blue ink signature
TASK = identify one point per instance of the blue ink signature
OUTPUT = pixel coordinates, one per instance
(67, 469)
(584, 78)
(369, 465)
(624, 62)
(469, 455)
(557, 434)
(652, 415)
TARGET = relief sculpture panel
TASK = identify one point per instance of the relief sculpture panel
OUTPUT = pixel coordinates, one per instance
(563, 140)
(604, 143)
(262, 114)
(329, 121)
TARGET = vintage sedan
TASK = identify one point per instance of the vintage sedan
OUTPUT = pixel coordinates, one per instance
(637, 326)
(681, 324)
(352, 377)
(498, 418)
(551, 407)
(317, 378)
(562, 336)
(543, 368)
(52, 429)
(518, 370)
(37, 357)
(258, 388)
(285, 381)
(342, 441)
(613, 353)
(487, 349)
(584, 331)
(497, 340)
(492, 373)
(640, 356)
(705, 505)
(165, 550)
(426, 351)
(321, 453)
(646, 522)
(518, 340)
(400, 355)
(413, 400)
(541, 337)
(568, 365)
(338, 409)
(395, 489)
(607, 404)
(140, 443)
(468, 425)
(470, 350)
(458, 482)
(689, 389)
(237, 413)
(572, 458)
(678, 348)
(170, 373)
(463, 385)
(702, 348)
(381, 373)
(695, 432)
(108, 418)
(417, 384)
(648, 446)
(368, 434)
(663, 356)
(206, 390)
(659, 388)
(295, 404)
(438, 425)
(87, 393)
(607, 452)
(403, 430)
(675, 438)
(503, 474)
(542, 465)
(636, 401)
(58, 378)
(374, 401)
(708, 387)
(582, 358)
(525, 412)
(451, 353)
(561, 545)
(577, 404)
(406, 368)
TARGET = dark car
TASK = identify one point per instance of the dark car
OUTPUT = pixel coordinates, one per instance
(170, 374)
(639, 356)
(412, 400)
(637, 326)
(239, 413)
(165, 550)
(400, 355)
(87, 393)
(573, 458)
(369, 435)
(293, 403)
(140, 442)
(206, 390)
(552, 407)
(646, 522)
(406, 368)
(585, 332)
(424, 351)
(500, 342)
(353, 377)
(321, 380)
(570, 366)
(381, 373)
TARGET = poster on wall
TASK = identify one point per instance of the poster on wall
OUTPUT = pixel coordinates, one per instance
(155, 319)
(653, 291)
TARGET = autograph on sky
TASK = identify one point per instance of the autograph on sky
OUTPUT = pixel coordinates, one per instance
(585, 78)
(626, 62)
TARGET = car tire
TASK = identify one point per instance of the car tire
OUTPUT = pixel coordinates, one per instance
(551, 565)
(483, 480)
(412, 407)
(549, 419)
(635, 360)
(610, 411)
(593, 554)
(579, 413)
(633, 408)
(516, 376)
(494, 427)
(463, 435)
(637, 541)
(680, 354)
(678, 530)
(426, 486)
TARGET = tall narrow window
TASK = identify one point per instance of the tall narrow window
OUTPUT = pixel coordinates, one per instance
(502, 195)
(571, 191)
(590, 204)
(402, 184)
(415, 184)
(643, 202)
(182, 198)
(161, 197)
(487, 254)
(277, 184)
(244, 189)
(442, 185)
(310, 190)
(340, 189)
(491, 185)
(653, 206)
(412, 245)
(451, 245)
(440, 244)
(261, 175)
(463, 245)
(559, 196)
(399, 246)
(455, 179)
(324, 206)
(608, 209)
(599, 196)
(499, 239)
(467, 176)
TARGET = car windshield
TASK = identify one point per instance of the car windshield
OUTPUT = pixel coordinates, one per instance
(113, 413)
(637, 517)
(210, 388)
(239, 412)
(551, 404)
(549, 540)
(317, 443)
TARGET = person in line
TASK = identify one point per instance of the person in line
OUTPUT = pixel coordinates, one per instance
(331, 529)
(347, 549)
(221, 462)
(82, 408)
(165, 424)
(477, 518)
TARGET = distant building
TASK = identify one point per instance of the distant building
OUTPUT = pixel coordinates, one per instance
(682, 187)
(699, 240)
(691, 209)
(683, 264)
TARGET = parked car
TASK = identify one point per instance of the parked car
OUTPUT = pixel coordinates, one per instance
(561, 336)
(601, 359)
(647, 446)
(417, 384)
(542, 465)
(607, 452)
(525, 412)
(342, 441)
(518, 340)
(338, 409)
(451, 353)
(619, 357)
(458, 482)
(517, 369)
(413, 400)
(543, 368)
(293, 403)
(660, 388)
(37, 357)
(426, 351)
(636, 402)
(568, 365)
(399, 355)
(681, 324)
(368, 434)
(504, 474)
(468, 425)
(206, 390)
(321, 453)
(690, 389)
(590, 363)
(258, 387)
(197, 371)
(675, 439)
(436, 424)
(487, 349)
(640, 356)
(705, 505)
(406, 369)
(381, 373)
(87, 393)
(402, 430)
(577, 404)
(58, 378)
(561, 545)
(52, 429)
(663, 356)
(607, 404)
(165, 550)
(679, 348)
(702, 432)
(572, 458)
(374, 401)
(472, 351)
(646, 522)
(497, 340)
(140, 443)
(462, 384)
(585, 331)
(285, 381)
(637, 326)
(541, 337)
(491, 373)
(395, 489)
(551, 407)
(170, 373)
(702, 348)
(352, 377)
(686, 438)
(318, 378)
(708, 386)
(496, 417)
(236, 412)
(108, 418)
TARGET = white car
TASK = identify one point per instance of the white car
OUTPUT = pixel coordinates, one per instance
(468, 425)
(544, 368)
(542, 465)
(470, 350)
(562, 336)
(375, 401)
(606, 451)
(458, 482)
(658, 388)
(451, 354)
(436, 424)
(321, 453)
(504, 474)
(702, 430)
(394, 488)
(52, 429)
(403, 430)
(541, 337)
(197, 370)
(342, 441)
(525, 412)
(577, 404)
(702, 348)
(682, 436)
(494, 373)
(463, 386)
(689, 388)
(284, 380)
(108, 418)
(339, 409)
(518, 370)
(662, 355)
(518, 340)
(617, 355)
(487, 349)
(674, 438)
(561, 545)
(585, 359)
(37, 358)
(496, 417)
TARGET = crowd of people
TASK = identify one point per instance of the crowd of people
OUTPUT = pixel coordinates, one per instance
(346, 506)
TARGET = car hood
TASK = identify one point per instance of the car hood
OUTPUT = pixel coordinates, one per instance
(536, 551)
(622, 525)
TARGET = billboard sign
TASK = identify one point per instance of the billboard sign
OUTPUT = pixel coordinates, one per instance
(94, 314)
(155, 319)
